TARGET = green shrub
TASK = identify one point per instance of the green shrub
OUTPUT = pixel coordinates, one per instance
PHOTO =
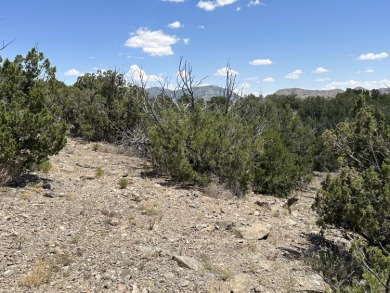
(30, 131)
(45, 166)
(275, 171)
(358, 199)
(99, 172)
(123, 182)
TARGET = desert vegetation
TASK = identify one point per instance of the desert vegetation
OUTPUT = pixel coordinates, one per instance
(269, 145)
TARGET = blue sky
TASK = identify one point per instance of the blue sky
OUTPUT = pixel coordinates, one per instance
(270, 44)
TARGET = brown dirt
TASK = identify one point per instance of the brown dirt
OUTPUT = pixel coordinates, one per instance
(72, 231)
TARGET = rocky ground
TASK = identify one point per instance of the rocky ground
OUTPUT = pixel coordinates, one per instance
(75, 229)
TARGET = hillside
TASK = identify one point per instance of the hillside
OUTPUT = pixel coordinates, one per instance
(303, 93)
(73, 231)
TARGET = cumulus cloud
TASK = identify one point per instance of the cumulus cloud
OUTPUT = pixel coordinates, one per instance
(202, 27)
(254, 3)
(294, 75)
(260, 62)
(224, 70)
(369, 70)
(268, 79)
(73, 72)
(245, 85)
(368, 84)
(320, 70)
(186, 41)
(154, 43)
(211, 5)
(373, 56)
(175, 24)
(136, 74)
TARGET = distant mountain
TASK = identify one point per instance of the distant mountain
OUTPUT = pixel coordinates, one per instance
(209, 91)
(201, 92)
(302, 93)
(384, 90)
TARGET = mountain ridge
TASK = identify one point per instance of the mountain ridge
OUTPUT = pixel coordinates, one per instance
(209, 91)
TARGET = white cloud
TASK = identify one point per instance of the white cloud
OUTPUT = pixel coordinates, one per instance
(136, 74)
(322, 79)
(202, 27)
(268, 79)
(224, 70)
(186, 41)
(174, 1)
(260, 62)
(238, 8)
(372, 56)
(368, 84)
(175, 24)
(245, 85)
(254, 3)
(294, 75)
(252, 78)
(211, 5)
(369, 70)
(206, 5)
(73, 72)
(154, 43)
(320, 70)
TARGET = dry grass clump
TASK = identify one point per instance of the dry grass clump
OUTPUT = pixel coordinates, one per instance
(43, 270)
(9, 171)
(41, 273)
(217, 190)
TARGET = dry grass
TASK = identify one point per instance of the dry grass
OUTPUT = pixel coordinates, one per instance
(44, 270)
(150, 208)
(41, 273)
(217, 190)
(223, 273)
(26, 195)
(9, 171)
(218, 287)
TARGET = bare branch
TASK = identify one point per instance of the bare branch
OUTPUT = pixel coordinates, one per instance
(5, 45)
(375, 274)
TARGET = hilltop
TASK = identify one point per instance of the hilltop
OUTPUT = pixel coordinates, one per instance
(303, 93)
(75, 230)
(209, 91)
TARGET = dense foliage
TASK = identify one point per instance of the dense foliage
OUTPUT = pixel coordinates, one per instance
(30, 131)
(358, 199)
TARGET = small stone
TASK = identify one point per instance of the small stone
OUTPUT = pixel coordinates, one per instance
(46, 185)
(114, 222)
(184, 283)
(8, 273)
(125, 274)
(49, 194)
(257, 231)
(169, 275)
(187, 262)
